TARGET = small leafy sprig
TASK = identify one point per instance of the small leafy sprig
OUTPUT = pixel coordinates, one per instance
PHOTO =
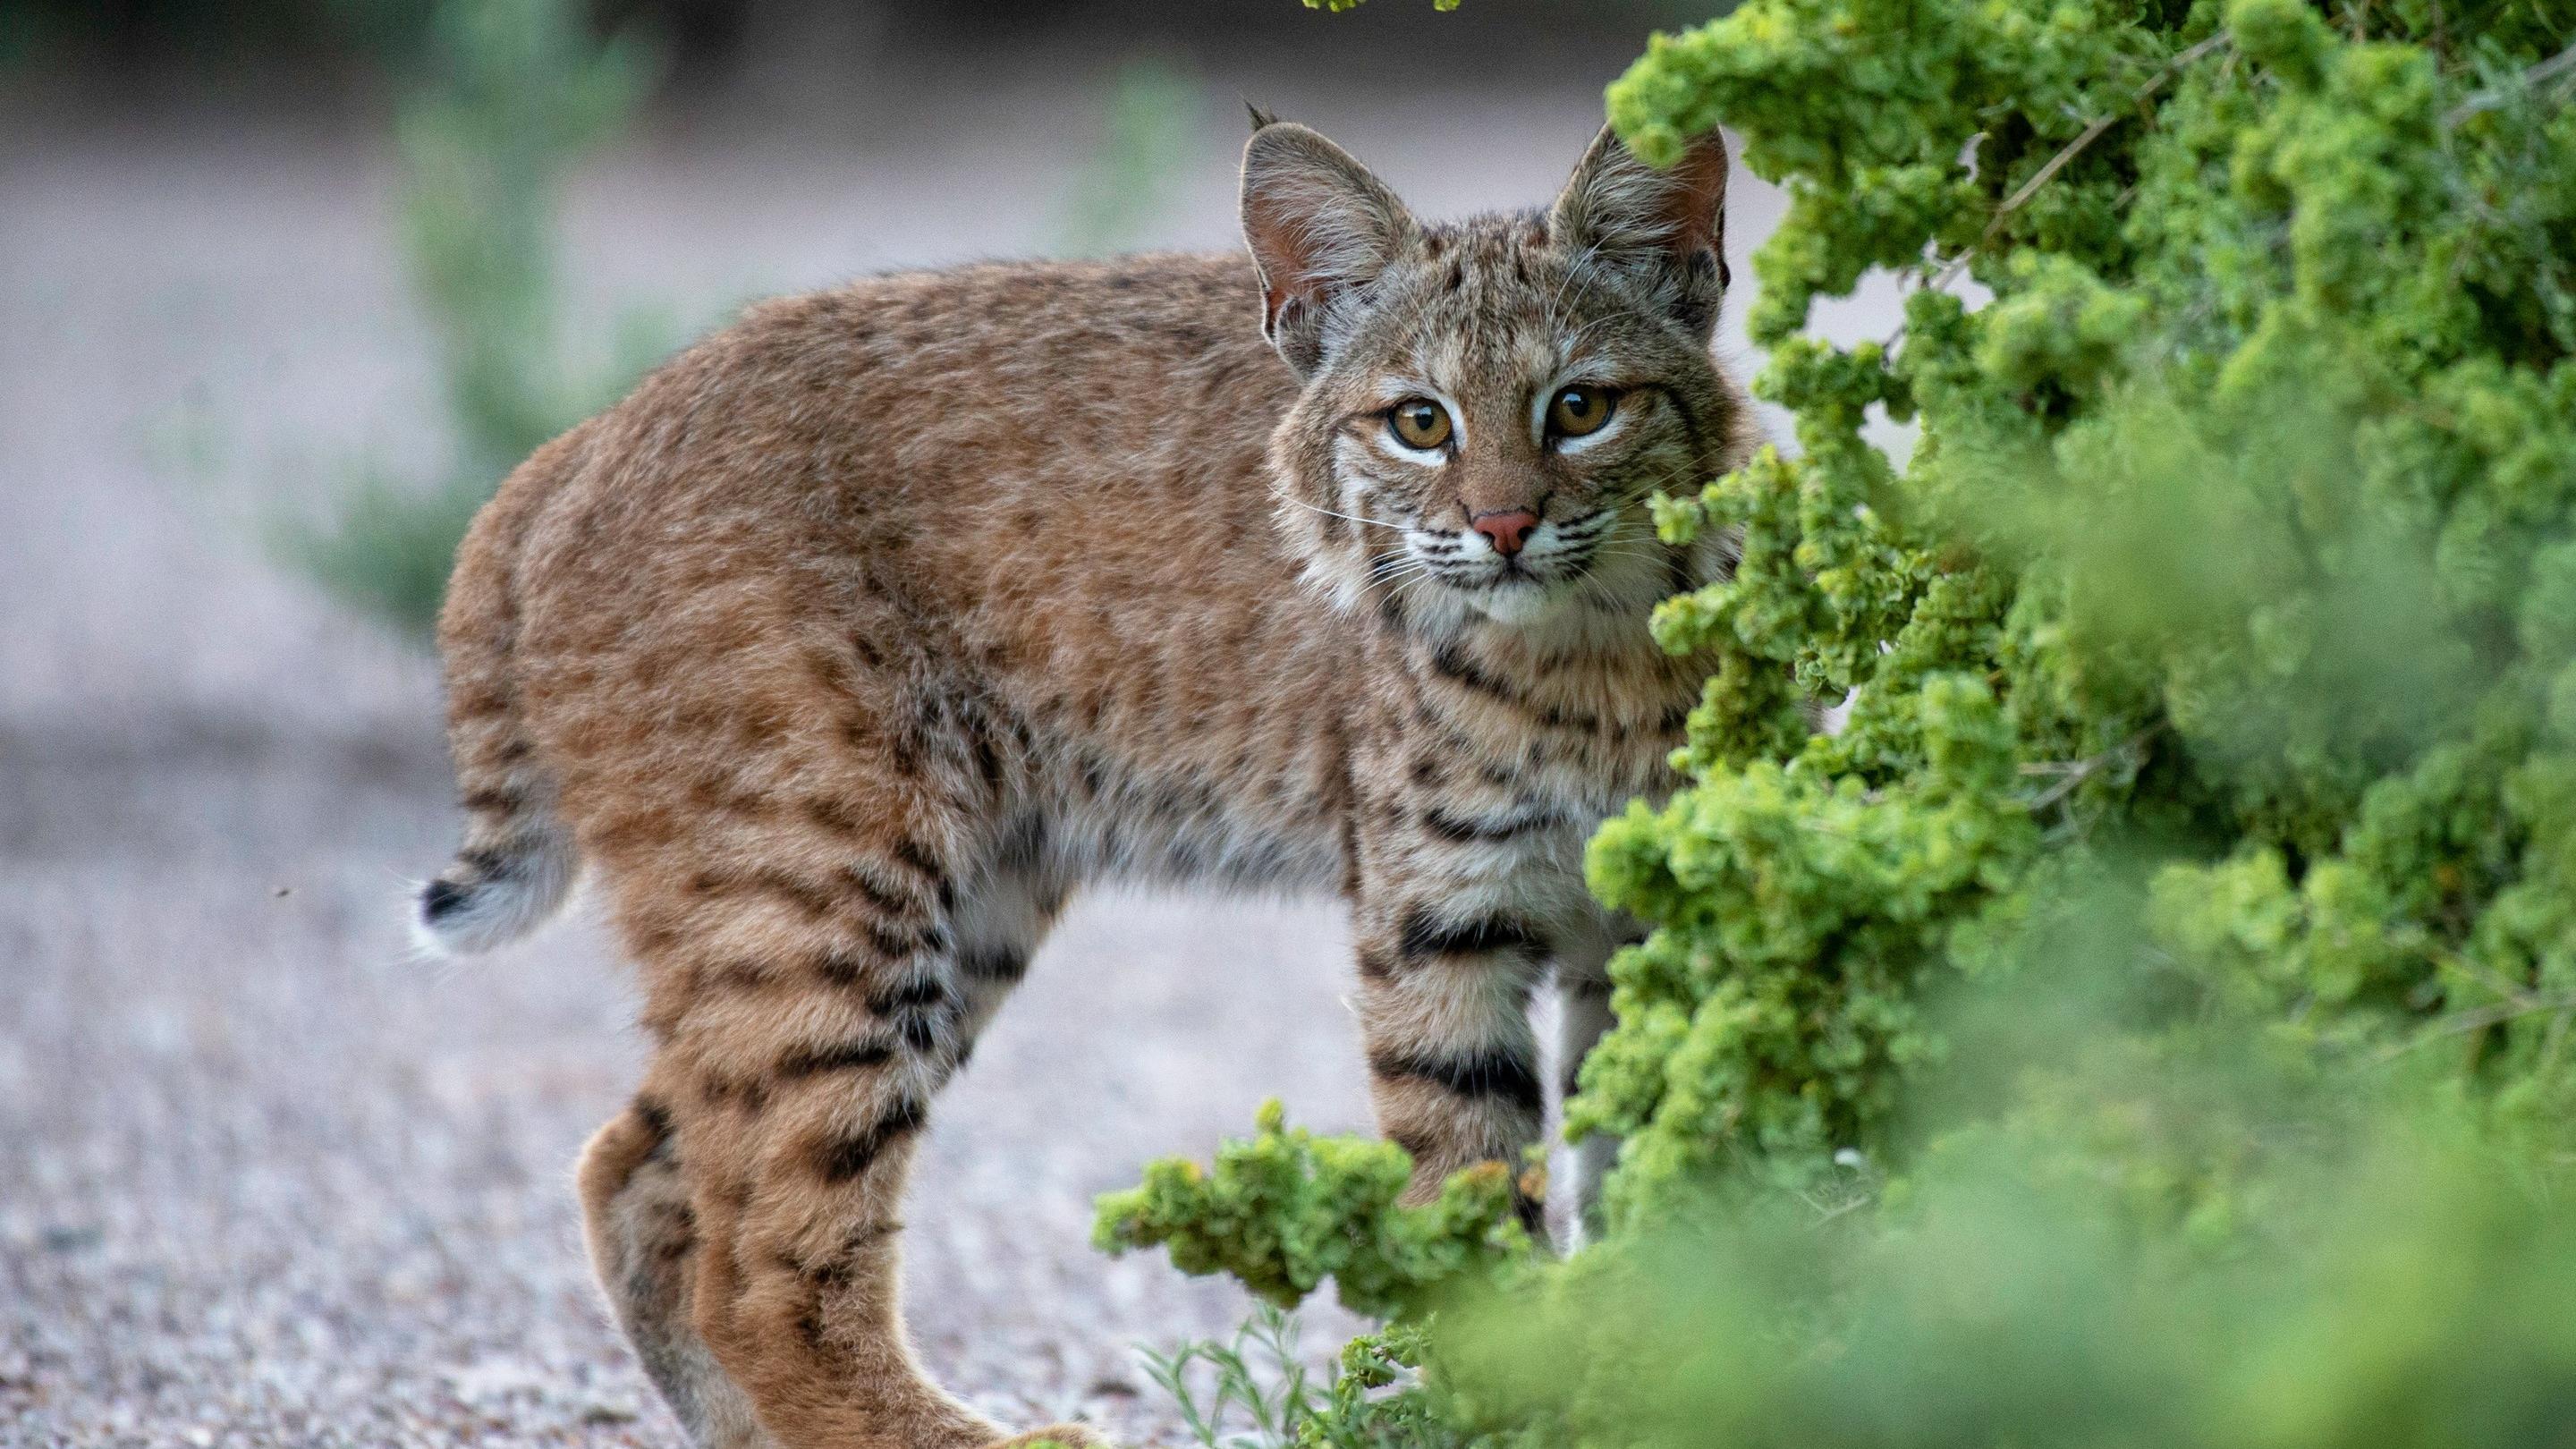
(1284, 1210)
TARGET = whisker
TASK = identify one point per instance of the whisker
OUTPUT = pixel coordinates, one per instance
(1394, 572)
(1674, 472)
(1329, 513)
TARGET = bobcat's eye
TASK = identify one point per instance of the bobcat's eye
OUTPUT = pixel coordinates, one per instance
(1577, 410)
(1418, 422)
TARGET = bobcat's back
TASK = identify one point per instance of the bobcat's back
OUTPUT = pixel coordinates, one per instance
(1017, 515)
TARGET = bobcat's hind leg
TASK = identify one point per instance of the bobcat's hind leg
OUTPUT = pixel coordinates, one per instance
(743, 1215)
(643, 1239)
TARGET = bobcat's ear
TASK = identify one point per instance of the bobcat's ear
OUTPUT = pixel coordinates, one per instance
(1664, 230)
(1321, 228)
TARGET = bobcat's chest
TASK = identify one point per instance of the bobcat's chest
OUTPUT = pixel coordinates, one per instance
(1477, 783)
(1576, 737)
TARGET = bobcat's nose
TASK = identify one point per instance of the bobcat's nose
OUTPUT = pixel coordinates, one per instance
(1506, 529)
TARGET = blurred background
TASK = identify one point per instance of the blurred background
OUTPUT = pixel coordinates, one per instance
(285, 285)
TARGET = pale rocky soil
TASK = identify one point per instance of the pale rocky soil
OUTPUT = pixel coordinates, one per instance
(266, 1180)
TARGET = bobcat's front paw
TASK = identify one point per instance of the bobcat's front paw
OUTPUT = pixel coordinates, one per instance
(1064, 1436)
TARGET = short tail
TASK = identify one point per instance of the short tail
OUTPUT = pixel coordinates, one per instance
(511, 876)
(517, 863)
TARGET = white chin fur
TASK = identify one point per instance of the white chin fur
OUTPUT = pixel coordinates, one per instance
(1514, 602)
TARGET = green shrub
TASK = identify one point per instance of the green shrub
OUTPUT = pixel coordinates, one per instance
(2230, 539)
(2148, 1018)
(1154, 112)
(1286, 1210)
(517, 91)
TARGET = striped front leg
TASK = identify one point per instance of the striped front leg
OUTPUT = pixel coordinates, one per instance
(1444, 1004)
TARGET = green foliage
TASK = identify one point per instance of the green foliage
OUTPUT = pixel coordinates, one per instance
(2150, 1017)
(1153, 116)
(2224, 539)
(518, 92)
(1262, 1374)
(2414, 1299)
(1286, 1209)
(1337, 6)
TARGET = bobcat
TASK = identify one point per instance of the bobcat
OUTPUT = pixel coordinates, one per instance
(865, 630)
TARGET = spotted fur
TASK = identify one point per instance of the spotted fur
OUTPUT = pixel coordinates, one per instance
(862, 633)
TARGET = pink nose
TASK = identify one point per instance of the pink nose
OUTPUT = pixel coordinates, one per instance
(1508, 529)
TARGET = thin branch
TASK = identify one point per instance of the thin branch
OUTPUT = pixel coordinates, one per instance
(2532, 79)
(2479, 1020)
(2075, 148)
(2072, 773)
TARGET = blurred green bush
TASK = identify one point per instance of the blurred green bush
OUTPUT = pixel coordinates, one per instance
(514, 93)
(1156, 110)
(2148, 1018)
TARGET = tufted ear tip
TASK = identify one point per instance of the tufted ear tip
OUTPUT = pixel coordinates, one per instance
(1614, 195)
(1320, 227)
(1668, 224)
(1277, 149)
(1261, 120)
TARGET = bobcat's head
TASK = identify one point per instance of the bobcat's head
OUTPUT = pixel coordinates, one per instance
(1488, 404)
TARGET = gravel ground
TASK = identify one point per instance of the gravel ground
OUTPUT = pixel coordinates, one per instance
(264, 1179)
